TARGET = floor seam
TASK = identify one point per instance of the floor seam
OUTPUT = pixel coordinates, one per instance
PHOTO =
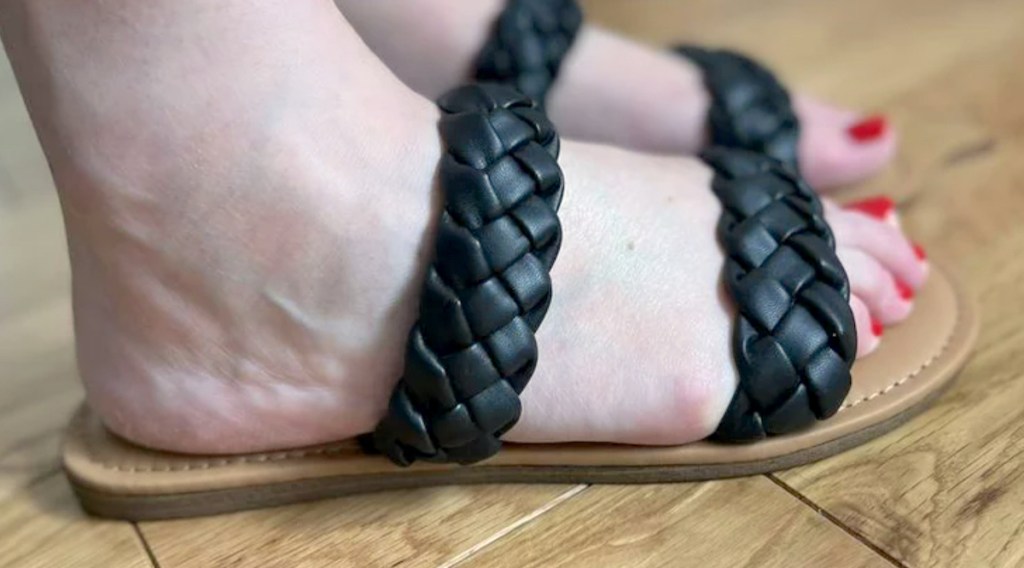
(835, 521)
(519, 523)
(145, 545)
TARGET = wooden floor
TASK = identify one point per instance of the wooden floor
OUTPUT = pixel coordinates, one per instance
(946, 490)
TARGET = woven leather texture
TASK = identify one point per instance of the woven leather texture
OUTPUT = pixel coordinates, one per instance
(750, 109)
(472, 349)
(527, 44)
(795, 338)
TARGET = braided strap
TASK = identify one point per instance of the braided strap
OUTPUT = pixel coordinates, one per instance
(750, 109)
(795, 339)
(528, 43)
(472, 349)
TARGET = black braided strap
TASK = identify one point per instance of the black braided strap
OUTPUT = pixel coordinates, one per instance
(750, 109)
(472, 349)
(528, 43)
(795, 339)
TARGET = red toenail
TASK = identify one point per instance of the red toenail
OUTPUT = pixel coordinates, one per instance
(878, 207)
(919, 252)
(869, 129)
(876, 327)
(906, 292)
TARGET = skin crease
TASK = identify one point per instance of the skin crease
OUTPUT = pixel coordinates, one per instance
(249, 202)
(598, 94)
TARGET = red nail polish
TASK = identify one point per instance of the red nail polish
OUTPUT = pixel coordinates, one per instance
(906, 292)
(919, 252)
(868, 129)
(877, 328)
(878, 207)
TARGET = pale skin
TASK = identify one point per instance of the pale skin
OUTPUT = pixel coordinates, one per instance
(249, 201)
(611, 89)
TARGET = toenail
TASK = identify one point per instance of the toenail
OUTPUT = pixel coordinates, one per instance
(869, 129)
(877, 328)
(878, 207)
(906, 292)
(919, 251)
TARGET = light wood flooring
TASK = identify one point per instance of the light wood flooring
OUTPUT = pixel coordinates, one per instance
(945, 490)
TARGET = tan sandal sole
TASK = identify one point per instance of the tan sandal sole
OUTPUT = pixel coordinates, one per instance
(912, 367)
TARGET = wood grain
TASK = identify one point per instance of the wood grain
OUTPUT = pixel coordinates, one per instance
(858, 53)
(43, 527)
(423, 527)
(946, 490)
(748, 522)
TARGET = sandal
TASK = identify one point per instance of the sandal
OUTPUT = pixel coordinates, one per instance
(750, 108)
(472, 350)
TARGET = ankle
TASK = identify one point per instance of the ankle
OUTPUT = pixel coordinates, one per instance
(430, 59)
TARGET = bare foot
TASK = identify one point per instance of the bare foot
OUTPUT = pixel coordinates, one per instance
(249, 203)
(611, 89)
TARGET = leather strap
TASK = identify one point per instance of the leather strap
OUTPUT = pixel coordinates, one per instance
(527, 44)
(795, 338)
(750, 108)
(472, 349)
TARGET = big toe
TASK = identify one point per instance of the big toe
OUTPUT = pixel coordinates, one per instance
(839, 146)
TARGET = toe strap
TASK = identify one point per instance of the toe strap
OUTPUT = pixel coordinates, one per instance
(472, 349)
(750, 109)
(794, 340)
(527, 44)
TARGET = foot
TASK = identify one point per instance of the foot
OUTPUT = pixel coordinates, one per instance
(599, 97)
(611, 89)
(249, 207)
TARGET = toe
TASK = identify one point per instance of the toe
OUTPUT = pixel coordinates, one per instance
(882, 240)
(838, 146)
(888, 300)
(879, 207)
(869, 330)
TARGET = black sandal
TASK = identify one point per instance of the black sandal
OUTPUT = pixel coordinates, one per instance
(472, 350)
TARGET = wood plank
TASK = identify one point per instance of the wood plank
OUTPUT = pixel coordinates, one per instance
(30, 443)
(944, 491)
(857, 53)
(38, 390)
(423, 527)
(955, 117)
(746, 522)
(42, 526)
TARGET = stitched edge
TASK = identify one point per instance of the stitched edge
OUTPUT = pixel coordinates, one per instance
(911, 375)
(224, 462)
(339, 449)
